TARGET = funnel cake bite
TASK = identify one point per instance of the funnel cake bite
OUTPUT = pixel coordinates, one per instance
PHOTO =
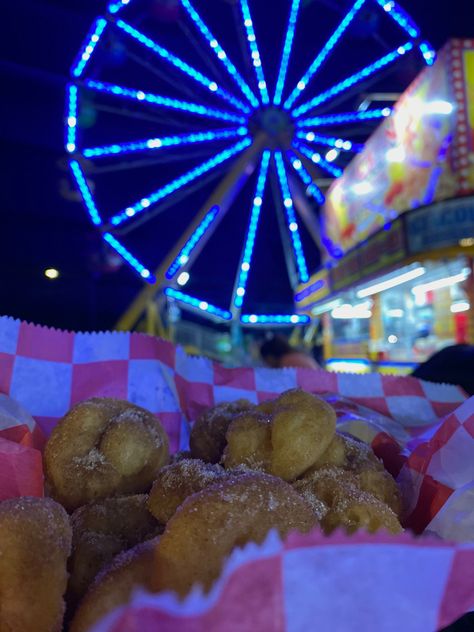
(103, 447)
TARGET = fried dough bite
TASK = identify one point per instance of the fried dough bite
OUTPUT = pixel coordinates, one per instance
(179, 480)
(35, 541)
(360, 510)
(285, 442)
(114, 585)
(221, 517)
(101, 530)
(103, 447)
(207, 440)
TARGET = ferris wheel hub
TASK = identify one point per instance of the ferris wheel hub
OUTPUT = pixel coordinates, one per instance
(275, 123)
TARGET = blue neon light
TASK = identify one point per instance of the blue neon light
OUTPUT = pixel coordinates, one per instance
(330, 141)
(129, 258)
(428, 53)
(179, 182)
(87, 49)
(315, 157)
(181, 65)
(314, 287)
(291, 218)
(203, 306)
(154, 99)
(252, 231)
(256, 60)
(153, 144)
(312, 188)
(274, 319)
(71, 119)
(115, 7)
(318, 61)
(290, 33)
(400, 16)
(353, 79)
(85, 192)
(185, 252)
(344, 117)
(220, 53)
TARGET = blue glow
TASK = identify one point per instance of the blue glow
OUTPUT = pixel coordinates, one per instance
(87, 49)
(185, 252)
(85, 192)
(344, 117)
(291, 218)
(203, 306)
(353, 79)
(274, 319)
(115, 7)
(220, 53)
(400, 16)
(252, 231)
(312, 188)
(181, 65)
(318, 61)
(179, 182)
(153, 144)
(290, 33)
(129, 258)
(428, 53)
(175, 104)
(330, 141)
(71, 126)
(314, 287)
(315, 157)
(257, 62)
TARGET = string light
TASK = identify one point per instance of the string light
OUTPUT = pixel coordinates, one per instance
(179, 182)
(274, 319)
(343, 118)
(290, 33)
(91, 41)
(85, 192)
(198, 304)
(252, 40)
(312, 189)
(129, 258)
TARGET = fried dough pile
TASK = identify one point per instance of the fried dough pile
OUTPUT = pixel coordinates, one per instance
(141, 519)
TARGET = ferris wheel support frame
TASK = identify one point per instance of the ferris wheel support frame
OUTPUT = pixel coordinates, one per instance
(222, 196)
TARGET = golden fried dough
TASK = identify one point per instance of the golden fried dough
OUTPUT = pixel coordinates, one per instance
(360, 510)
(101, 530)
(207, 440)
(176, 482)
(210, 524)
(114, 585)
(35, 541)
(285, 442)
(103, 447)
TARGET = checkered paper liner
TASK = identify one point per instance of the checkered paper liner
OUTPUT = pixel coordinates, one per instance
(423, 432)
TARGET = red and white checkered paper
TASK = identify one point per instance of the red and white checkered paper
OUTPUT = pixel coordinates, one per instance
(424, 433)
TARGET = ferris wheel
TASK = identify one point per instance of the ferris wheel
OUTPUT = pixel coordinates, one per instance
(264, 129)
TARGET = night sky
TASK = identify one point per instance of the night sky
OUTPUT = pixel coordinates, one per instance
(43, 223)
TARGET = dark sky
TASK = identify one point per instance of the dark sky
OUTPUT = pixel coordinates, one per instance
(42, 222)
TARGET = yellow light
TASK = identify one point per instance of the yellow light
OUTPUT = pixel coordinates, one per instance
(51, 273)
(466, 242)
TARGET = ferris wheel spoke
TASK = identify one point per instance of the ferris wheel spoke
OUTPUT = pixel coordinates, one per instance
(343, 118)
(160, 101)
(181, 65)
(71, 127)
(240, 283)
(178, 183)
(254, 52)
(319, 60)
(316, 157)
(291, 218)
(306, 178)
(352, 80)
(287, 46)
(341, 144)
(128, 257)
(220, 53)
(154, 144)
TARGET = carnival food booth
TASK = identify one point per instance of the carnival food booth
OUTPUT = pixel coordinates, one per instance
(400, 222)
